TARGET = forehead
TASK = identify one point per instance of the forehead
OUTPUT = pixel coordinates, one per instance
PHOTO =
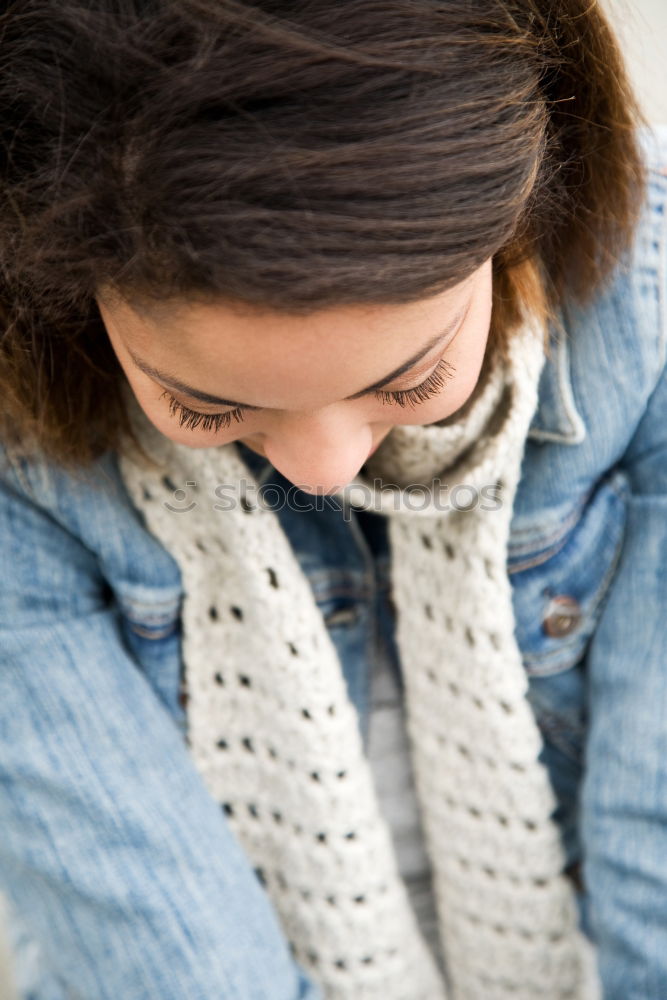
(262, 357)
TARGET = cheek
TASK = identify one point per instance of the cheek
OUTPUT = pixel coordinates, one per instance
(468, 364)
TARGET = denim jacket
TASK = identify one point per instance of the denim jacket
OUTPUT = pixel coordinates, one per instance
(122, 872)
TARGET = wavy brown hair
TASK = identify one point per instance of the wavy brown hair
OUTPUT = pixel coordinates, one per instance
(291, 157)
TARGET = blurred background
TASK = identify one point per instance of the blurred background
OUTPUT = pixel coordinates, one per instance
(642, 28)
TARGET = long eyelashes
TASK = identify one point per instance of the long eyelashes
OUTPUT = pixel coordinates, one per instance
(191, 419)
(436, 381)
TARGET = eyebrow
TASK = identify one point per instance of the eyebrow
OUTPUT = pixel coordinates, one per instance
(205, 397)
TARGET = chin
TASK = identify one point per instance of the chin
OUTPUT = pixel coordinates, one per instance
(257, 448)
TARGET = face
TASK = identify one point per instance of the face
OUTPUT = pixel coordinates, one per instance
(315, 394)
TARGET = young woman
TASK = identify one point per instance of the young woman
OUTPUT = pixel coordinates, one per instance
(334, 503)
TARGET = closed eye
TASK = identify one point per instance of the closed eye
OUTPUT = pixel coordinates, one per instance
(431, 386)
(191, 419)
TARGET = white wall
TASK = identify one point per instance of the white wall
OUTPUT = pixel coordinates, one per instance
(642, 27)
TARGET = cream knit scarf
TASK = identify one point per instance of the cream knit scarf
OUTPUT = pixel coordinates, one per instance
(276, 739)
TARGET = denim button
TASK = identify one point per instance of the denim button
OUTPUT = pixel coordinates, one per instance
(342, 616)
(563, 616)
(154, 632)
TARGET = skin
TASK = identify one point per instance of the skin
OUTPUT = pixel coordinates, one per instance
(300, 371)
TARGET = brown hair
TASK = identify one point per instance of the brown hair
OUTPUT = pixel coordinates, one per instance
(340, 153)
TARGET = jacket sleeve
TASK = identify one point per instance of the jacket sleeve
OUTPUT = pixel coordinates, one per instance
(116, 862)
(624, 792)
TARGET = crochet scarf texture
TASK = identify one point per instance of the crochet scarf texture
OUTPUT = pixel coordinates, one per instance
(276, 739)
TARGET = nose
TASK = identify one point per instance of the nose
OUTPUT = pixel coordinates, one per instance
(320, 451)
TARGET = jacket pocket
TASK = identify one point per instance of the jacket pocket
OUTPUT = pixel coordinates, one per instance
(559, 586)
